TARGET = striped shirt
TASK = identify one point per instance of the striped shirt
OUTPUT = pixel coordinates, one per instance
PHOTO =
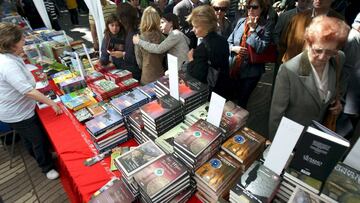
(107, 10)
(50, 8)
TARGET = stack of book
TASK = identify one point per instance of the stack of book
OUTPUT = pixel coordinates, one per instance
(197, 144)
(72, 84)
(82, 115)
(245, 146)
(185, 195)
(114, 191)
(162, 180)
(118, 75)
(97, 109)
(135, 160)
(166, 141)
(192, 92)
(161, 115)
(105, 89)
(107, 130)
(94, 76)
(343, 185)
(128, 103)
(233, 118)
(295, 178)
(257, 184)
(148, 90)
(62, 76)
(215, 178)
(78, 99)
(128, 84)
(136, 126)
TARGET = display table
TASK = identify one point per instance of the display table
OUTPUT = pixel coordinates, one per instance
(72, 143)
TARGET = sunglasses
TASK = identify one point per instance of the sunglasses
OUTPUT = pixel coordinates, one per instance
(223, 9)
(254, 7)
(326, 52)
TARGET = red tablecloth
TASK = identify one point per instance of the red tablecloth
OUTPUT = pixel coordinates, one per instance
(73, 145)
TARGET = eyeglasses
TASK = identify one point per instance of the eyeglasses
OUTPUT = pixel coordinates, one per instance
(223, 9)
(254, 7)
(326, 52)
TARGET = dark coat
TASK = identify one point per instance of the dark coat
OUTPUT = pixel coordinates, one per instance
(112, 43)
(217, 51)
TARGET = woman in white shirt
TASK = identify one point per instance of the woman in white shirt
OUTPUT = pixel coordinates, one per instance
(18, 97)
(176, 43)
(306, 85)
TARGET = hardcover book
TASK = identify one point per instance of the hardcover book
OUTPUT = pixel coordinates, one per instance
(343, 185)
(319, 153)
(233, 118)
(103, 122)
(244, 144)
(148, 90)
(259, 182)
(300, 195)
(138, 158)
(96, 109)
(156, 110)
(166, 141)
(128, 100)
(218, 171)
(159, 175)
(106, 85)
(82, 115)
(198, 137)
(116, 192)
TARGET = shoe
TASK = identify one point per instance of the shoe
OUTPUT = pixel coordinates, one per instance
(52, 174)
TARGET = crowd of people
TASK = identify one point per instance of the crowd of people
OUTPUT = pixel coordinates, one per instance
(313, 73)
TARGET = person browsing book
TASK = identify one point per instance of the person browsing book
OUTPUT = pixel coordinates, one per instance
(18, 98)
(309, 83)
(113, 42)
(176, 43)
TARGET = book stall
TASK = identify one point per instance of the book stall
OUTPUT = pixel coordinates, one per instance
(167, 142)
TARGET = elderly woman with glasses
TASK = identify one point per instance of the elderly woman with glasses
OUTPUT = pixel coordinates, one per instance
(224, 24)
(253, 31)
(307, 84)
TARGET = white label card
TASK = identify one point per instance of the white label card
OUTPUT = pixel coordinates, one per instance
(216, 108)
(173, 76)
(80, 66)
(284, 142)
(88, 56)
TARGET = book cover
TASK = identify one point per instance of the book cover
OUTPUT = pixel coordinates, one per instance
(82, 115)
(96, 109)
(233, 117)
(148, 90)
(244, 144)
(343, 184)
(159, 175)
(318, 154)
(260, 182)
(303, 180)
(166, 141)
(116, 193)
(218, 170)
(161, 107)
(128, 100)
(106, 85)
(104, 121)
(300, 195)
(138, 158)
(198, 137)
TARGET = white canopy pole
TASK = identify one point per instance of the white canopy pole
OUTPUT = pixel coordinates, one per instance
(96, 11)
(40, 6)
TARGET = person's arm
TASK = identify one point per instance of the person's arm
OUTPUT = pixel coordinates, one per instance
(104, 57)
(280, 100)
(40, 97)
(161, 48)
(138, 56)
(260, 42)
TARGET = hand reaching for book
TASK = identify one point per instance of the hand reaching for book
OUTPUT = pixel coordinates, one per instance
(57, 109)
(117, 54)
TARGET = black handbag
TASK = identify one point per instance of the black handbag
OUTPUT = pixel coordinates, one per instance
(213, 73)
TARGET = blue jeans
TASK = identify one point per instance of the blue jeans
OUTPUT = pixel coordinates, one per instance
(35, 141)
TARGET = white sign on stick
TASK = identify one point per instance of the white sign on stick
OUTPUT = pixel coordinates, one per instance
(173, 76)
(216, 108)
(286, 137)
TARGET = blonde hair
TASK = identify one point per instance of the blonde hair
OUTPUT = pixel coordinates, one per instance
(10, 35)
(150, 20)
(205, 16)
(226, 2)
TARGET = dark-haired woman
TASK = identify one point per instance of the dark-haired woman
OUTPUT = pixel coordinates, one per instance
(176, 43)
(113, 44)
(18, 98)
(253, 31)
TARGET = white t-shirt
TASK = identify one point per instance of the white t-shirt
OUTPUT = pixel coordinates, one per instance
(15, 81)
